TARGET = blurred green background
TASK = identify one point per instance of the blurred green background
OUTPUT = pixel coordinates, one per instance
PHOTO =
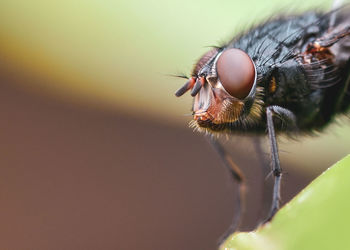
(115, 58)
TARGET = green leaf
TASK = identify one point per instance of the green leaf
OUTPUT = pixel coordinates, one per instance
(317, 218)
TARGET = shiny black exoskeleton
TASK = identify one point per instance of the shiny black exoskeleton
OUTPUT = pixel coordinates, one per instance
(313, 83)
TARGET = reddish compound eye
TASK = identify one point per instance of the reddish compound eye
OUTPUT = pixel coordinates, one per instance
(236, 72)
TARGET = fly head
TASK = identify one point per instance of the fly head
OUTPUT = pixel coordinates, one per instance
(222, 82)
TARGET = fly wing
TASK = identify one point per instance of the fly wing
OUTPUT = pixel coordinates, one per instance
(338, 35)
(326, 57)
(341, 51)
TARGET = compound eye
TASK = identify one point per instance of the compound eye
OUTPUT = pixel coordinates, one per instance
(236, 72)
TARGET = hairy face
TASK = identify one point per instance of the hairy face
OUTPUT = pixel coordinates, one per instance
(220, 82)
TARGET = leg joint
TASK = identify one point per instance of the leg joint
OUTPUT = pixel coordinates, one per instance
(277, 172)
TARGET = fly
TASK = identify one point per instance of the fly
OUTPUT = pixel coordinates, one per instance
(288, 76)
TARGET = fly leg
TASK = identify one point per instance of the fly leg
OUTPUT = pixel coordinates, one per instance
(286, 117)
(237, 177)
(329, 39)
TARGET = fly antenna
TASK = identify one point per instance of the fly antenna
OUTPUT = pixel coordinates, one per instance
(182, 76)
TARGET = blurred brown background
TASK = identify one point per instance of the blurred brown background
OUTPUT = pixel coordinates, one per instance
(79, 178)
(96, 152)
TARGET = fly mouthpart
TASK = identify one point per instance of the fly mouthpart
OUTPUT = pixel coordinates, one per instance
(202, 115)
